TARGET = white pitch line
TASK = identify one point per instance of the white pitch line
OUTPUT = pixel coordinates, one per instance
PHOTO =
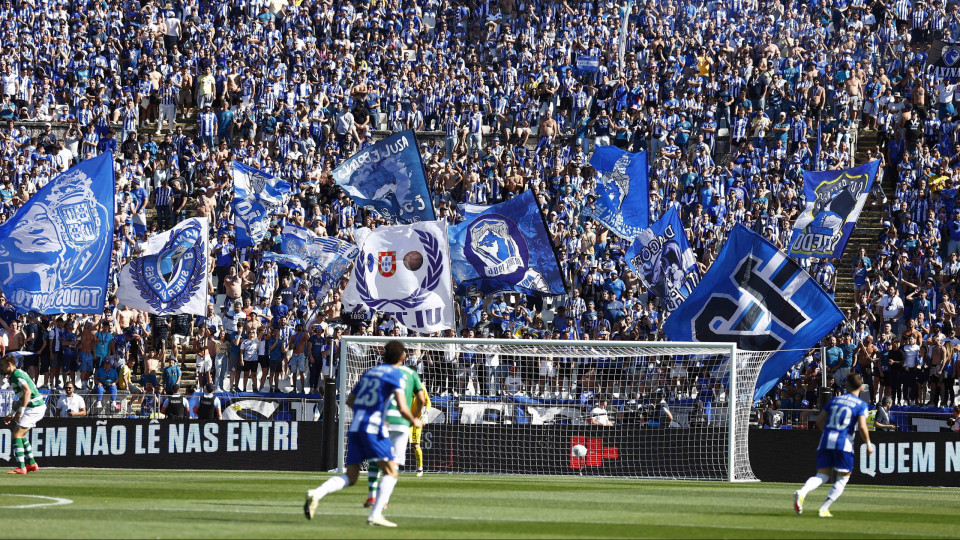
(523, 520)
(56, 501)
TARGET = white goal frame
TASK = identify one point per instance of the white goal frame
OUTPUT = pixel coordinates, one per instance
(739, 393)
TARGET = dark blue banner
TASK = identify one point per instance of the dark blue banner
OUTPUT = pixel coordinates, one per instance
(55, 251)
(757, 297)
(663, 259)
(504, 247)
(388, 177)
(623, 199)
(834, 200)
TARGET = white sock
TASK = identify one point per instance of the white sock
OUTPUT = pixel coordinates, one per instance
(383, 494)
(813, 483)
(333, 485)
(835, 491)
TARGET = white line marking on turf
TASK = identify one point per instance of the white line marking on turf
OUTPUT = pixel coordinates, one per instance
(527, 520)
(54, 501)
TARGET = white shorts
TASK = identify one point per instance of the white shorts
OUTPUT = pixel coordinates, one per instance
(325, 369)
(547, 369)
(181, 340)
(32, 415)
(205, 364)
(399, 441)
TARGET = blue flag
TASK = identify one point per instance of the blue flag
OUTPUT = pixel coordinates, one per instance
(588, 64)
(256, 196)
(623, 199)
(325, 258)
(834, 200)
(504, 247)
(55, 251)
(755, 296)
(388, 177)
(663, 259)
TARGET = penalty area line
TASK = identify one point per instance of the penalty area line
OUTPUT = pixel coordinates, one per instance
(53, 501)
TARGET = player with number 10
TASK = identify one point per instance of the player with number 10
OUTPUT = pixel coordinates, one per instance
(839, 421)
(367, 437)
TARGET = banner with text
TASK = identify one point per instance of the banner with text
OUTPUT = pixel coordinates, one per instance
(834, 200)
(161, 444)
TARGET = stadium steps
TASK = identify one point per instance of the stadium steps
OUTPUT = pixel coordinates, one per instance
(864, 235)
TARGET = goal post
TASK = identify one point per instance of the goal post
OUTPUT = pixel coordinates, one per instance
(521, 406)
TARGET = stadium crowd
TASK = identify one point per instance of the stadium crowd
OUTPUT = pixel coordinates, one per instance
(725, 96)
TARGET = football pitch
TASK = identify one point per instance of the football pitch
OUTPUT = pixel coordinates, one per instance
(87, 503)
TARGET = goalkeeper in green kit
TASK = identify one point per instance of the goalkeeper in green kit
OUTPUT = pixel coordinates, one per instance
(29, 408)
(399, 429)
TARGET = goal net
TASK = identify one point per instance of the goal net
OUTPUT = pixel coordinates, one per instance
(598, 408)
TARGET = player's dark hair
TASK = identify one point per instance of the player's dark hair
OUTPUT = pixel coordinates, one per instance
(854, 381)
(393, 352)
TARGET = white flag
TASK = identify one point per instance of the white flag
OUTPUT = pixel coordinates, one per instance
(404, 271)
(171, 274)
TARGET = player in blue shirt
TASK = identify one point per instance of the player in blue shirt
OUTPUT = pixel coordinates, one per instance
(839, 421)
(367, 437)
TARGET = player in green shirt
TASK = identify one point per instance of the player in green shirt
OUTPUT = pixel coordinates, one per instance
(399, 428)
(29, 408)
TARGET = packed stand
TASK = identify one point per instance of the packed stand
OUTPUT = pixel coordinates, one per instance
(728, 99)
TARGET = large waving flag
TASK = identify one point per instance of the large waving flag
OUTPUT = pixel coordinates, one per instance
(172, 273)
(55, 251)
(325, 259)
(663, 259)
(388, 176)
(404, 270)
(623, 199)
(504, 247)
(757, 297)
(834, 200)
(256, 196)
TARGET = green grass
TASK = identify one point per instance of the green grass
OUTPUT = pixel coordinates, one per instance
(202, 504)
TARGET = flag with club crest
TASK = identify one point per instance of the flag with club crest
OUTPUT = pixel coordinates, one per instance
(171, 274)
(834, 201)
(504, 247)
(404, 271)
(55, 251)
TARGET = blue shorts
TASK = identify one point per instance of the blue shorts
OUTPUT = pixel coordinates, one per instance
(86, 361)
(365, 447)
(838, 460)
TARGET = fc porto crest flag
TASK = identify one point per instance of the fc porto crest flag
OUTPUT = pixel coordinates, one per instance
(171, 274)
(55, 251)
(834, 200)
(622, 203)
(388, 177)
(504, 247)
(404, 271)
(943, 60)
(663, 259)
(256, 196)
(757, 297)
